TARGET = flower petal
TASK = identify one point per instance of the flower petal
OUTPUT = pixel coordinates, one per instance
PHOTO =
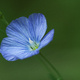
(21, 28)
(13, 49)
(9, 57)
(14, 42)
(26, 54)
(47, 39)
(39, 24)
(14, 53)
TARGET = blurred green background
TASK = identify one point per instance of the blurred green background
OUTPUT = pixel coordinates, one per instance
(63, 52)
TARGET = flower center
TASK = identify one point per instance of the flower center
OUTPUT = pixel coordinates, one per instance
(33, 45)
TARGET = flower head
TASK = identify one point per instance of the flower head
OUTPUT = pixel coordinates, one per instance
(25, 37)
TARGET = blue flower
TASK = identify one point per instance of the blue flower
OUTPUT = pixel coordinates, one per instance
(25, 37)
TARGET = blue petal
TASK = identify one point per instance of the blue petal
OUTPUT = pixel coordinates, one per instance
(27, 54)
(14, 42)
(47, 39)
(13, 49)
(9, 53)
(39, 24)
(21, 28)
(10, 57)
(14, 53)
(0, 49)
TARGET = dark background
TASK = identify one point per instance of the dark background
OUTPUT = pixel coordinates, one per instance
(63, 52)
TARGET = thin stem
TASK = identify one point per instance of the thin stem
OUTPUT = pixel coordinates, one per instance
(44, 64)
(3, 18)
(6, 21)
(46, 60)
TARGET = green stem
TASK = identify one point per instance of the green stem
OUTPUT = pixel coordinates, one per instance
(54, 69)
(3, 18)
(5, 21)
